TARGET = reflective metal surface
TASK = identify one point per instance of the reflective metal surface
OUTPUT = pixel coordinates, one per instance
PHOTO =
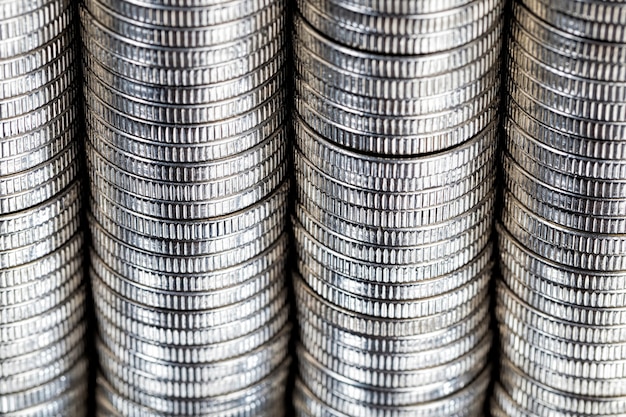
(561, 297)
(188, 203)
(396, 129)
(43, 368)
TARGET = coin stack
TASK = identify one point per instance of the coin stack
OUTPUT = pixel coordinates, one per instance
(186, 156)
(396, 123)
(561, 302)
(43, 368)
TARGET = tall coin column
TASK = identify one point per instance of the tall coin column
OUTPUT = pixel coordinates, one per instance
(561, 305)
(186, 155)
(396, 128)
(43, 369)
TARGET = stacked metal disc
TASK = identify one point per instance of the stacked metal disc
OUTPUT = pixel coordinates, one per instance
(396, 127)
(186, 157)
(42, 294)
(561, 302)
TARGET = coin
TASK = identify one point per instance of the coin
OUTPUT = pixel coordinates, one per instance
(42, 290)
(560, 296)
(187, 159)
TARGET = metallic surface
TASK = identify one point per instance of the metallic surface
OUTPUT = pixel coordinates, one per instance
(43, 369)
(561, 296)
(395, 145)
(186, 154)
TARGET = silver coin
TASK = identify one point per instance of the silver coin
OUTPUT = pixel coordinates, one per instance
(355, 93)
(199, 200)
(173, 133)
(565, 348)
(21, 105)
(593, 385)
(563, 275)
(205, 94)
(185, 302)
(410, 34)
(24, 400)
(192, 149)
(186, 280)
(185, 37)
(389, 291)
(464, 402)
(47, 282)
(376, 326)
(597, 148)
(418, 195)
(191, 382)
(193, 16)
(17, 84)
(409, 309)
(383, 173)
(317, 197)
(599, 60)
(269, 226)
(71, 403)
(427, 378)
(317, 343)
(39, 360)
(26, 152)
(548, 76)
(402, 237)
(567, 103)
(172, 353)
(515, 176)
(399, 91)
(42, 324)
(34, 377)
(569, 19)
(34, 37)
(28, 274)
(11, 9)
(541, 397)
(370, 189)
(337, 389)
(400, 256)
(186, 320)
(184, 114)
(508, 301)
(183, 230)
(389, 134)
(198, 337)
(393, 67)
(268, 391)
(521, 146)
(476, 320)
(193, 172)
(395, 7)
(36, 223)
(176, 66)
(44, 301)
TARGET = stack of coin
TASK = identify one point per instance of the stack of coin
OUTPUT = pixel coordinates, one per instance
(561, 302)
(396, 123)
(43, 369)
(186, 156)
